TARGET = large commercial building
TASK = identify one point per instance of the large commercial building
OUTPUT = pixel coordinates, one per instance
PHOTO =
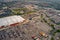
(11, 21)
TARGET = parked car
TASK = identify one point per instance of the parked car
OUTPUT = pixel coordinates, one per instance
(43, 34)
(35, 38)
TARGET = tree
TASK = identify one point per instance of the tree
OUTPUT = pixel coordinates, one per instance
(52, 25)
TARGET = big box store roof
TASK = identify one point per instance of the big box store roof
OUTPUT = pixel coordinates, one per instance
(10, 20)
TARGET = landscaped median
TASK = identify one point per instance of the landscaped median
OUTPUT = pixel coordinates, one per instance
(22, 11)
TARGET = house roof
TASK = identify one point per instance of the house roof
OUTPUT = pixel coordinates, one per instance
(55, 18)
(10, 20)
(57, 27)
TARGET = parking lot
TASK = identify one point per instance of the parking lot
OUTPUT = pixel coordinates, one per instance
(25, 31)
(21, 32)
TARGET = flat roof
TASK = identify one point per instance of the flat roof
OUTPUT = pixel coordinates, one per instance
(55, 18)
(10, 20)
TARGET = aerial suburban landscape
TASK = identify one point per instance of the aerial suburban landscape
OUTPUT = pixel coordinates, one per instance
(29, 19)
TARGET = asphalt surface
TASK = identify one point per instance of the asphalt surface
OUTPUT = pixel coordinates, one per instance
(25, 31)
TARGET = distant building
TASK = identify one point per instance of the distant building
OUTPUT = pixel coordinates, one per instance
(9, 0)
(31, 7)
(10, 21)
(6, 0)
(5, 12)
(54, 17)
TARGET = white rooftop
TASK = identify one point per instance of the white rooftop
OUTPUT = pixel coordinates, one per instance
(10, 20)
